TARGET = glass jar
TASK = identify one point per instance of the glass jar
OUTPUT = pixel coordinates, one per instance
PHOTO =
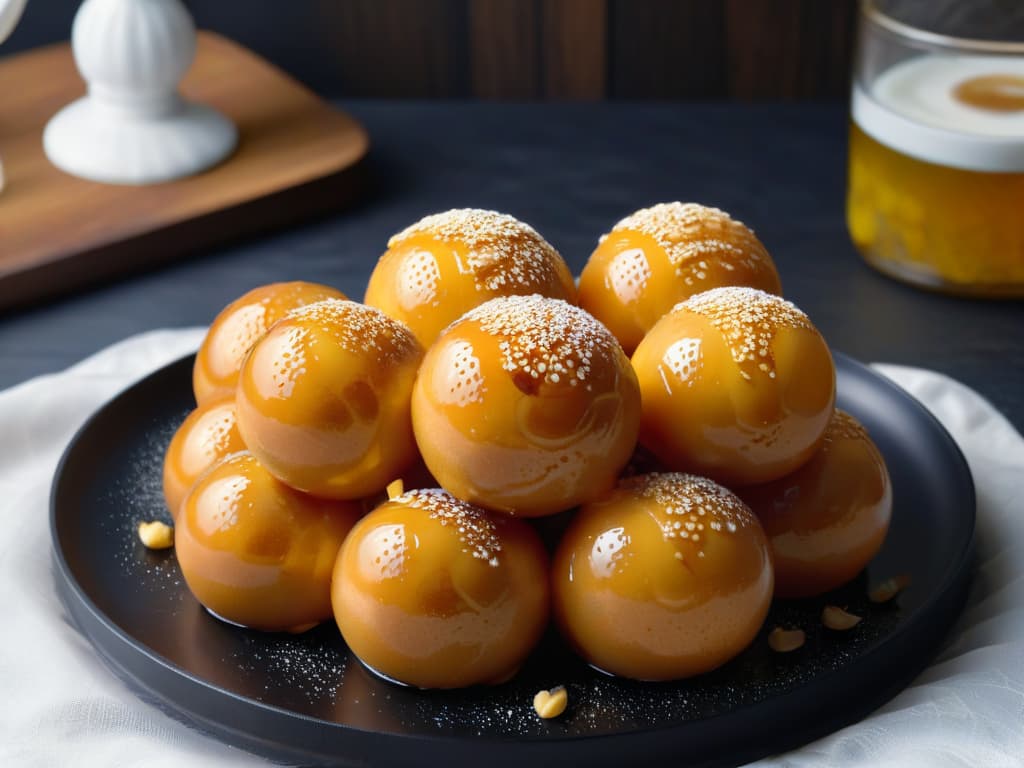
(936, 165)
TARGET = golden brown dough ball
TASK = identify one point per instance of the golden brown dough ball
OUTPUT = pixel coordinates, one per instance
(445, 264)
(256, 552)
(433, 592)
(829, 518)
(207, 435)
(659, 256)
(237, 328)
(668, 576)
(526, 405)
(737, 384)
(323, 399)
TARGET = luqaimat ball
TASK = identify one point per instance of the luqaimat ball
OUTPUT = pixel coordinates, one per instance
(323, 399)
(436, 593)
(526, 405)
(446, 264)
(239, 325)
(737, 384)
(668, 576)
(828, 519)
(257, 553)
(207, 435)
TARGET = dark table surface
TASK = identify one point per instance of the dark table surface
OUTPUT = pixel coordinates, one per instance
(572, 171)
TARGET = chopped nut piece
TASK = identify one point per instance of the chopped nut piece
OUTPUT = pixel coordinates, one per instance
(156, 535)
(786, 640)
(551, 703)
(888, 589)
(395, 488)
(836, 618)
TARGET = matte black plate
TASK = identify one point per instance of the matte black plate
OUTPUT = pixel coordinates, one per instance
(305, 699)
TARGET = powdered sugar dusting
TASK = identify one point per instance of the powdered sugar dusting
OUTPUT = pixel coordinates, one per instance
(693, 235)
(477, 532)
(356, 327)
(504, 254)
(748, 319)
(693, 505)
(545, 339)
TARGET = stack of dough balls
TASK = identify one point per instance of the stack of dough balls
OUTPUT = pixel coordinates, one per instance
(695, 481)
(265, 483)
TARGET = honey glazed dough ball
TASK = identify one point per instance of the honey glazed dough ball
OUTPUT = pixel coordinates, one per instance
(826, 521)
(435, 593)
(737, 384)
(257, 553)
(323, 399)
(207, 435)
(659, 256)
(526, 405)
(667, 577)
(446, 264)
(238, 327)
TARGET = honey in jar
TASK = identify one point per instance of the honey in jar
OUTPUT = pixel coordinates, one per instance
(936, 176)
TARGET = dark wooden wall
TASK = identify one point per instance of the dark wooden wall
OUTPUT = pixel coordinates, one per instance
(532, 49)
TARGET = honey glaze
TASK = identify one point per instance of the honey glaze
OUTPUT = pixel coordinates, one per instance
(257, 553)
(668, 576)
(323, 399)
(526, 405)
(206, 436)
(448, 263)
(736, 384)
(829, 518)
(434, 592)
(239, 325)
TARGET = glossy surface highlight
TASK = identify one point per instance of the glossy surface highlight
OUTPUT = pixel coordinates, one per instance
(526, 406)
(829, 518)
(207, 435)
(435, 593)
(667, 577)
(239, 325)
(323, 399)
(257, 553)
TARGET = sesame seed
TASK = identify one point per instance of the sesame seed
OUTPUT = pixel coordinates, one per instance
(748, 320)
(688, 502)
(503, 254)
(695, 235)
(477, 532)
(545, 338)
(355, 327)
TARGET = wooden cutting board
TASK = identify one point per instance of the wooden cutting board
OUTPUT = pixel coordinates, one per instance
(297, 157)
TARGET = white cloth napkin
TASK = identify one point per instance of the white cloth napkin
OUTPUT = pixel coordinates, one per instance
(59, 705)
